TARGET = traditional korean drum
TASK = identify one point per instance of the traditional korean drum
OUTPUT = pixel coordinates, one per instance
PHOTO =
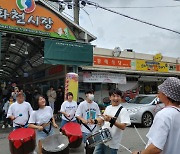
(55, 144)
(73, 131)
(22, 141)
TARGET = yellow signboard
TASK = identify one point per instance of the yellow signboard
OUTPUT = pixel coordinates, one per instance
(163, 67)
(143, 65)
(71, 85)
(158, 57)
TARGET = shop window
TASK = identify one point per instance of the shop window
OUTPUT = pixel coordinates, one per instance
(132, 79)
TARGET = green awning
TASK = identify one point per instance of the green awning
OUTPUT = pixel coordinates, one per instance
(68, 53)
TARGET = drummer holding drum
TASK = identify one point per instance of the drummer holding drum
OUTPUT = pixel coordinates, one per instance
(88, 111)
(19, 112)
(42, 120)
(68, 109)
(115, 119)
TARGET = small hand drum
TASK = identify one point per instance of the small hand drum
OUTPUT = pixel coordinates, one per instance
(101, 136)
(22, 141)
(55, 144)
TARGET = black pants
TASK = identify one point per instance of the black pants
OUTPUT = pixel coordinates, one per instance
(6, 120)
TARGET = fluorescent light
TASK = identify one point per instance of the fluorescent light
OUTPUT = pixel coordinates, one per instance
(7, 57)
(26, 52)
(12, 44)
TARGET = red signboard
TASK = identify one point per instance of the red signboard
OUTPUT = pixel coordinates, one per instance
(55, 70)
(178, 67)
(116, 62)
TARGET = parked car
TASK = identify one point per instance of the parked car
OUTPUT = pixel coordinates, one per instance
(143, 108)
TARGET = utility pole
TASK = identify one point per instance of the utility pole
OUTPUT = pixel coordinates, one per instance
(76, 11)
(76, 20)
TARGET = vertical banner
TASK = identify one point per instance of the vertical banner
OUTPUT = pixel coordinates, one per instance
(0, 45)
(71, 85)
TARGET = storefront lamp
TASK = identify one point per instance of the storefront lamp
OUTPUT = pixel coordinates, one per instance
(7, 57)
(13, 41)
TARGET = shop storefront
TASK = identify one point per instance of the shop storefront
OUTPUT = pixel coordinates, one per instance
(143, 73)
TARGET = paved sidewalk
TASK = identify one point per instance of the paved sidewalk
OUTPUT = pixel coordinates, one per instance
(130, 139)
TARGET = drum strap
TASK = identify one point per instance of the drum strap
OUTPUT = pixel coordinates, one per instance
(91, 130)
(68, 118)
(116, 115)
(21, 126)
(50, 126)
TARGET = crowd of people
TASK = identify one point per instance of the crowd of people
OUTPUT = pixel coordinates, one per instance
(164, 134)
(8, 96)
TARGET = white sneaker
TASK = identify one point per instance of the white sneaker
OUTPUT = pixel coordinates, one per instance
(3, 126)
(9, 126)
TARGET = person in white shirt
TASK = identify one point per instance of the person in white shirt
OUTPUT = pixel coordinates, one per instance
(5, 108)
(68, 110)
(42, 120)
(87, 111)
(51, 93)
(164, 134)
(14, 93)
(19, 112)
(115, 125)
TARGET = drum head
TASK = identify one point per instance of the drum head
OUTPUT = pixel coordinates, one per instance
(55, 143)
(21, 134)
(73, 129)
(22, 141)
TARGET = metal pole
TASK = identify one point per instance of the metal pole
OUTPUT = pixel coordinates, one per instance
(76, 11)
(76, 20)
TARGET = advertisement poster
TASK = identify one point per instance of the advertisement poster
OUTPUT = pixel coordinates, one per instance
(71, 84)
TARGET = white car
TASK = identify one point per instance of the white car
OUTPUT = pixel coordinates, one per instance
(143, 108)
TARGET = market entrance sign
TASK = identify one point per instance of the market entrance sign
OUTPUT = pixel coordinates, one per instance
(30, 17)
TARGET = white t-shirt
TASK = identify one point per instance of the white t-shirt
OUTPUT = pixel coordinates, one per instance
(88, 111)
(165, 131)
(41, 116)
(116, 133)
(15, 109)
(70, 108)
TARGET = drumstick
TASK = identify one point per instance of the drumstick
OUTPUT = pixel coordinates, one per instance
(139, 135)
(20, 115)
(125, 148)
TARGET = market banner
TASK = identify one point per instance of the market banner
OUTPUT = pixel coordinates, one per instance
(71, 85)
(104, 77)
(33, 18)
(68, 53)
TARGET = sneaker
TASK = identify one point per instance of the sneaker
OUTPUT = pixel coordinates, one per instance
(3, 126)
(9, 126)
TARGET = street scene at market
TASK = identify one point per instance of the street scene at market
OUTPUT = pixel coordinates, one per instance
(89, 77)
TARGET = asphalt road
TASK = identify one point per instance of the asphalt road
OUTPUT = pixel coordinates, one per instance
(130, 140)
